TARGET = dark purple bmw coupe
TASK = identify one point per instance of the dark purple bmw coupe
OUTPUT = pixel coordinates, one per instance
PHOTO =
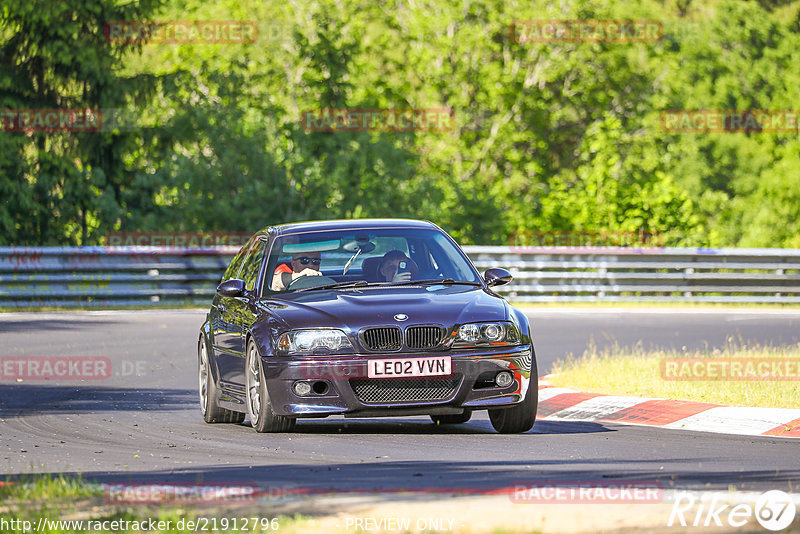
(363, 318)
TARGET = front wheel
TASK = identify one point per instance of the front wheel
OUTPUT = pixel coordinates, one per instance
(519, 418)
(259, 407)
(209, 394)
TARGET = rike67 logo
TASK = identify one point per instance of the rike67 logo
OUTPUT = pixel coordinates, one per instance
(774, 510)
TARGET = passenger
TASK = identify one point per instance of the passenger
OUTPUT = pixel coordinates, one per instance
(390, 264)
(302, 264)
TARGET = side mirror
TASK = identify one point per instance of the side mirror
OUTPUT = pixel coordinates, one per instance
(231, 288)
(497, 277)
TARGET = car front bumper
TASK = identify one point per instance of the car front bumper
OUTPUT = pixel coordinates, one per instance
(343, 386)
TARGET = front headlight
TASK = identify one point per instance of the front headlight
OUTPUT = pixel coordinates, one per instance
(501, 333)
(320, 341)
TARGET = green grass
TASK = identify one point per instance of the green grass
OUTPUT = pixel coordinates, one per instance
(48, 487)
(637, 372)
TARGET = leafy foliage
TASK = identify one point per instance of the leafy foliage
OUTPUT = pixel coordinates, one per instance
(554, 136)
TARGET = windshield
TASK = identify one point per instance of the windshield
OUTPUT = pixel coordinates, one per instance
(376, 256)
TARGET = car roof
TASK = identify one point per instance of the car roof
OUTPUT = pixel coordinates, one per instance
(347, 224)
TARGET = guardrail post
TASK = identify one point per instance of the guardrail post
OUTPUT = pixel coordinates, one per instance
(603, 271)
(688, 271)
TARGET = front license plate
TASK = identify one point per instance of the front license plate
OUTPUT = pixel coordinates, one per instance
(405, 367)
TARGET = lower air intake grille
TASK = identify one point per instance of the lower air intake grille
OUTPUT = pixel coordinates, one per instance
(388, 390)
(382, 339)
(424, 337)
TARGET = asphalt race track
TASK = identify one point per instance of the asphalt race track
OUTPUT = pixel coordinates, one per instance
(143, 424)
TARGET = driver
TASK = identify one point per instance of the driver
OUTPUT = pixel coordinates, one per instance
(302, 264)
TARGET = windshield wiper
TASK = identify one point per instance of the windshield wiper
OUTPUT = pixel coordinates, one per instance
(436, 281)
(362, 283)
(338, 285)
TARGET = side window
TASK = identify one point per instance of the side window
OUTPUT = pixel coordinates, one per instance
(277, 257)
(453, 265)
(252, 264)
(236, 262)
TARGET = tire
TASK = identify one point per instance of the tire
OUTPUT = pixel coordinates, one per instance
(209, 394)
(455, 419)
(259, 407)
(519, 418)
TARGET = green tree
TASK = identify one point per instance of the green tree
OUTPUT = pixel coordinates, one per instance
(65, 187)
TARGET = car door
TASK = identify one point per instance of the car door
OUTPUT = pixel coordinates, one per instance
(240, 315)
(225, 332)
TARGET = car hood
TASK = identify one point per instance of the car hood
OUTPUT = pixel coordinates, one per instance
(352, 309)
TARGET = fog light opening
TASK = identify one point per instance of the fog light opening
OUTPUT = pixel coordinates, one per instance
(320, 387)
(302, 388)
(504, 379)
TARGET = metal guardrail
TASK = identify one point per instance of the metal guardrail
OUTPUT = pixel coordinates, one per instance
(116, 276)
(109, 276)
(582, 274)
